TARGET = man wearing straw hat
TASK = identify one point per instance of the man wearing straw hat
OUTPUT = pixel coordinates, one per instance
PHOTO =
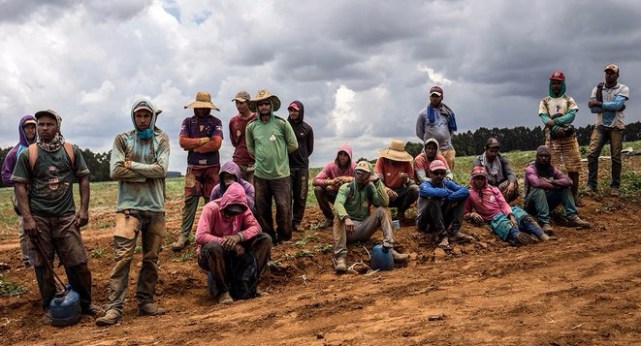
(201, 135)
(270, 139)
(394, 167)
(50, 218)
(237, 125)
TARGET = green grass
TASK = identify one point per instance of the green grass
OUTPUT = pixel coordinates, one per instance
(8, 288)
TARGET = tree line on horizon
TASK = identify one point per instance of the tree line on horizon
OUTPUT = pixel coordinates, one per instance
(466, 143)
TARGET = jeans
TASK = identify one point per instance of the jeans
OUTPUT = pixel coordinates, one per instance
(279, 190)
(407, 195)
(300, 184)
(152, 227)
(539, 202)
(600, 136)
(325, 196)
(380, 218)
(440, 216)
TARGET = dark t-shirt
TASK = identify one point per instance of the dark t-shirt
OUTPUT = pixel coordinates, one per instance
(197, 127)
(51, 181)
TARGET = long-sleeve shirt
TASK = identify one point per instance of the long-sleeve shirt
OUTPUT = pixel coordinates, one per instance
(353, 201)
(447, 189)
(270, 142)
(488, 202)
(610, 113)
(532, 179)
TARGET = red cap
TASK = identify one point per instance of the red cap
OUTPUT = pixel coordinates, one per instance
(437, 165)
(557, 75)
(293, 105)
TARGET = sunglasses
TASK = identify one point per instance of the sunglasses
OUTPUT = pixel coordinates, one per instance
(438, 172)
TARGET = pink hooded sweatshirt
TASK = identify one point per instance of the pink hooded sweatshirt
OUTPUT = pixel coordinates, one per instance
(487, 201)
(332, 170)
(213, 226)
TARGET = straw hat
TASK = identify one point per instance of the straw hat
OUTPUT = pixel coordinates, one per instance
(396, 152)
(203, 100)
(264, 94)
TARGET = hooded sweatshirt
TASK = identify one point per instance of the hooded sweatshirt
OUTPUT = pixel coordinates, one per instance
(554, 104)
(142, 185)
(487, 201)
(270, 142)
(304, 137)
(333, 170)
(221, 188)
(422, 163)
(12, 156)
(213, 226)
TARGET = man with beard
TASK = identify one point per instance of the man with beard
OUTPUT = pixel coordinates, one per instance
(201, 135)
(51, 222)
(423, 160)
(329, 180)
(237, 125)
(499, 171)
(438, 121)
(545, 188)
(557, 111)
(299, 161)
(270, 139)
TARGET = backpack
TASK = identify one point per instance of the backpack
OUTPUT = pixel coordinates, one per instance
(243, 276)
(33, 154)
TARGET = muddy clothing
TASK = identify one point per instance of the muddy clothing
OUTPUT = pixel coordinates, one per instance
(140, 210)
(407, 193)
(422, 163)
(326, 193)
(11, 158)
(541, 196)
(353, 201)
(280, 191)
(381, 218)
(237, 126)
(271, 142)
(194, 128)
(440, 207)
(220, 188)
(299, 163)
(500, 174)
(438, 123)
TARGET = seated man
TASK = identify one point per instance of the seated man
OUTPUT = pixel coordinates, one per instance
(328, 180)
(513, 224)
(353, 221)
(545, 188)
(226, 231)
(440, 207)
(230, 173)
(423, 160)
(499, 171)
(394, 168)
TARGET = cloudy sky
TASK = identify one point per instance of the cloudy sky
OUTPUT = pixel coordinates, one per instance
(361, 67)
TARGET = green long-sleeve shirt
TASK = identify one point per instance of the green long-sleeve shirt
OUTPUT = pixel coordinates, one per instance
(354, 201)
(270, 142)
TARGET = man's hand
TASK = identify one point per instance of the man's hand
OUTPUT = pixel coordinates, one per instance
(350, 227)
(82, 218)
(239, 249)
(230, 242)
(594, 103)
(373, 178)
(391, 193)
(510, 187)
(337, 182)
(476, 217)
(203, 140)
(549, 123)
(127, 163)
(30, 227)
(513, 221)
(404, 177)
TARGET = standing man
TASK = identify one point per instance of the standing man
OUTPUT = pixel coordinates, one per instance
(438, 121)
(270, 139)
(499, 171)
(26, 137)
(201, 135)
(608, 103)
(51, 222)
(329, 180)
(237, 125)
(394, 168)
(557, 111)
(139, 161)
(299, 161)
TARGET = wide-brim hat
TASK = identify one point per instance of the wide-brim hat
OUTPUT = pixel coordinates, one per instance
(203, 100)
(396, 152)
(264, 94)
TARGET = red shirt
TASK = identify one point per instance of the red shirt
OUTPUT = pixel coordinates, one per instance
(391, 169)
(237, 127)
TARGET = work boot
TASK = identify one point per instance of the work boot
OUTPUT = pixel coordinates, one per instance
(576, 221)
(109, 319)
(325, 224)
(340, 265)
(46, 318)
(180, 244)
(93, 310)
(400, 257)
(525, 239)
(614, 192)
(150, 309)
(225, 299)
(547, 229)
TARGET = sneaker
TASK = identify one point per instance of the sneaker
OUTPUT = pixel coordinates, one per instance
(614, 192)
(400, 257)
(150, 309)
(46, 319)
(576, 221)
(93, 310)
(525, 239)
(340, 265)
(325, 224)
(109, 319)
(225, 298)
(460, 238)
(547, 229)
(180, 244)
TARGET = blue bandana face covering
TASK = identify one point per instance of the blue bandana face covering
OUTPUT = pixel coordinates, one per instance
(145, 134)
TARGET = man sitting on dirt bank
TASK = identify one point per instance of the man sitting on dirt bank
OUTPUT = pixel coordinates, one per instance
(353, 221)
(513, 224)
(139, 161)
(329, 180)
(545, 188)
(440, 207)
(423, 160)
(227, 232)
(499, 171)
(394, 168)
(48, 209)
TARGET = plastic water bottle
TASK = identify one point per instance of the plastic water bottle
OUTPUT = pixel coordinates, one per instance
(382, 258)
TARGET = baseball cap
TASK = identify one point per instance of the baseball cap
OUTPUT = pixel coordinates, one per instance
(557, 75)
(436, 90)
(29, 121)
(364, 166)
(293, 105)
(612, 67)
(48, 112)
(143, 105)
(437, 165)
(492, 143)
(242, 96)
